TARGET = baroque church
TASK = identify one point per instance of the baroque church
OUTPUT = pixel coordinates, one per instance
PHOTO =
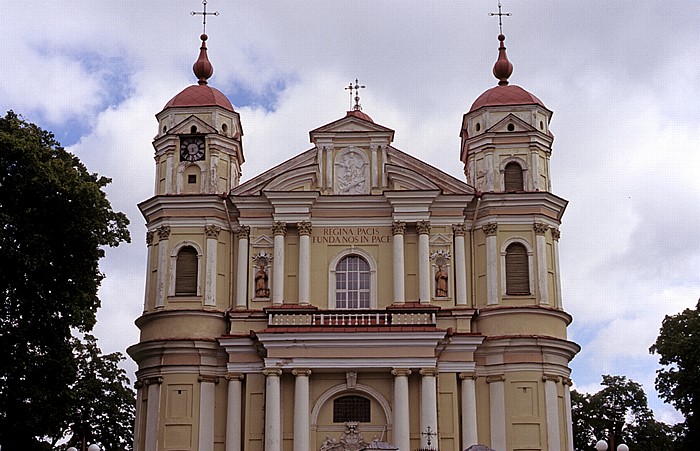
(353, 297)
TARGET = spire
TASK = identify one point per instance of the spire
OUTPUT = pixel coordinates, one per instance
(202, 68)
(503, 68)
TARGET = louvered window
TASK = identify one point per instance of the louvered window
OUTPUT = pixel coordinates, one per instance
(517, 270)
(186, 272)
(513, 177)
(351, 408)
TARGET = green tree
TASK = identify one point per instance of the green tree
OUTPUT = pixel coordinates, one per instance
(54, 221)
(678, 381)
(619, 411)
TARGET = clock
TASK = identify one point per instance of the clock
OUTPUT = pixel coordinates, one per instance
(192, 148)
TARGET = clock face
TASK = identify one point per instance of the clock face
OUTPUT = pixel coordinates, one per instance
(192, 148)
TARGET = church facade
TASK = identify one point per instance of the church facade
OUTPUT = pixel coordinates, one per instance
(353, 295)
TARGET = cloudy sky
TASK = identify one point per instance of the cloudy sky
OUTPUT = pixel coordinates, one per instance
(621, 77)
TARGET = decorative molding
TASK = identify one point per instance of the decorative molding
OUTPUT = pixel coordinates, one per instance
(495, 378)
(208, 378)
(279, 228)
(153, 380)
(423, 227)
(401, 372)
(490, 229)
(163, 232)
(351, 380)
(138, 384)
(272, 372)
(551, 378)
(467, 375)
(243, 232)
(212, 231)
(441, 257)
(428, 372)
(556, 234)
(235, 377)
(459, 229)
(149, 238)
(540, 228)
(301, 372)
(398, 228)
(566, 381)
(304, 228)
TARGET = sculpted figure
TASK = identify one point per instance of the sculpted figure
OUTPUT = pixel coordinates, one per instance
(261, 290)
(440, 283)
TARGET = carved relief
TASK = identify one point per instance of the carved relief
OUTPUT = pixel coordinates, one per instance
(351, 172)
(540, 228)
(243, 232)
(304, 228)
(149, 237)
(350, 440)
(459, 229)
(556, 234)
(441, 259)
(163, 232)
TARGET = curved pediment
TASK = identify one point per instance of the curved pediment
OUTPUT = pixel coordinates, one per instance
(299, 179)
(403, 178)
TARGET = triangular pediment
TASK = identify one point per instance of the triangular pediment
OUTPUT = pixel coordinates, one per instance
(351, 124)
(282, 176)
(185, 127)
(514, 122)
(410, 173)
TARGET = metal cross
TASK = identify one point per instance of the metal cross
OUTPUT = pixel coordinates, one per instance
(357, 88)
(204, 15)
(429, 434)
(500, 17)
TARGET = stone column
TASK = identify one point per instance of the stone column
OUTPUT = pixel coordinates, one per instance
(428, 406)
(242, 268)
(152, 412)
(497, 414)
(234, 407)
(566, 382)
(279, 230)
(212, 234)
(162, 289)
(459, 231)
(423, 228)
(273, 423)
(402, 426)
(139, 386)
(556, 234)
(490, 231)
(542, 285)
(469, 425)
(149, 262)
(206, 412)
(398, 228)
(551, 405)
(304, 262)
(301, 409)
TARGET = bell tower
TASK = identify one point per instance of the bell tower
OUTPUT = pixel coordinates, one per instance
(198, 148)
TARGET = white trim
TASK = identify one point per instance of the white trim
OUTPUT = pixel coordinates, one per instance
(372, 275)
(173, 265)
(343, 388)
(530, 264)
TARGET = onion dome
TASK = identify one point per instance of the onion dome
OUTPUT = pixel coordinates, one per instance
(504, 94)
(201, 94)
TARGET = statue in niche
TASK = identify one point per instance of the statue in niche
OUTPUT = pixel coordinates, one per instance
(351, 176)
(261, 289)
(440, 283)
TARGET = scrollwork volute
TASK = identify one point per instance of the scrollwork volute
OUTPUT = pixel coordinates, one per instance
(423, 227)
(212, 231)
(556, 234)
(279, 228)
(304, 228)
(459, 229)
(243, 232)
(398, 228)
(540, 228)
(163, 232)
(490, 229)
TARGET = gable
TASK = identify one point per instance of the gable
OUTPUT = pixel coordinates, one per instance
(185, 127)
(516, 124)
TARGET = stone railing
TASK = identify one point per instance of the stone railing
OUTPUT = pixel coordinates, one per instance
(340, 318)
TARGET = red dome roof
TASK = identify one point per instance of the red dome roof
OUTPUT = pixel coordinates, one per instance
(200, 95)
(505, 95)
(359, 114)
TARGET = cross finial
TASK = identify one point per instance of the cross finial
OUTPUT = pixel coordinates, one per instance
(356, 97)
(500, 15)
(429, 434)
(204, 15)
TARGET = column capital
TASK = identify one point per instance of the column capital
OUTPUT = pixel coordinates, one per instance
(467, 375)
(398, 228)
(279, 228)
(304, 228)
(163, 232)
(212, 231)
(138, 384)
(459, 229)
(243, 232)
(272, 372)
(495, 378)
(149, 238)
(432, 372)
(556, 234)
(566, 381)
(208, 378)
(540, 228)
(235, 377)
(423, 227)
(551, 378)
(153, 380)
(301, 372)
(397, 372)
(490, 229)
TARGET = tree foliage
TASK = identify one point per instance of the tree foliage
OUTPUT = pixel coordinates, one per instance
(54, 221)
(619, 411)
(678, 382)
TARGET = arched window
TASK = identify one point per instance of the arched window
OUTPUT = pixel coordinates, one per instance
(186, 272)
(351, 408)
(352, 283)
(517, 270)
(513, 177)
